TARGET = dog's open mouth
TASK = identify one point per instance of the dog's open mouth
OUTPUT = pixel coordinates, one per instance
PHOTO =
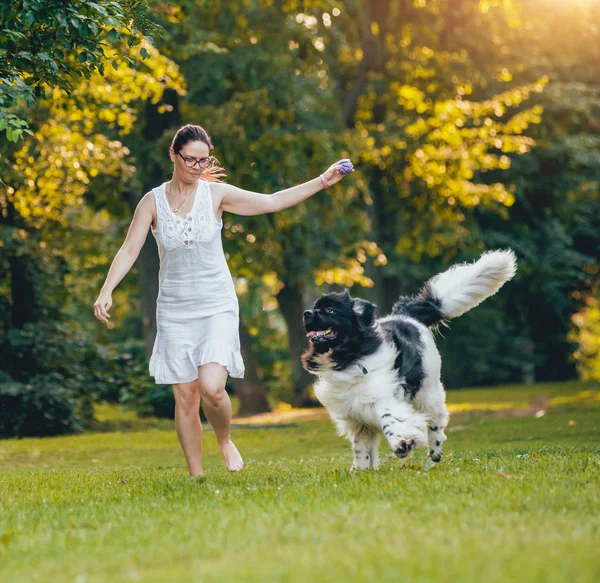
(316, 335)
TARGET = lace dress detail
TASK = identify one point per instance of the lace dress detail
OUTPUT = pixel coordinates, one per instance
(194, 227)
(197, 313)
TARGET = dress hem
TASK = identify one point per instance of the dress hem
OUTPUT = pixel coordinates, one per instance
(185, 370)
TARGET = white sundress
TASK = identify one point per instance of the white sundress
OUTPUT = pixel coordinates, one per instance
(197, 311)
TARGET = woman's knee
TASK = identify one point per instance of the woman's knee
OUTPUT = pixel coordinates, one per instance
(187, 398)
(212, 394)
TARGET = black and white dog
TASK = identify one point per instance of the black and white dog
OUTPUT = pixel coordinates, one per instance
(383, 375)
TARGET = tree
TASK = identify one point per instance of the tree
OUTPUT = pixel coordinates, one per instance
(412, 97)
(46, 224)
(555, 222)
(53, 43)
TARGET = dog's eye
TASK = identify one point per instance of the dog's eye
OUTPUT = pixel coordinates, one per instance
(329, 310)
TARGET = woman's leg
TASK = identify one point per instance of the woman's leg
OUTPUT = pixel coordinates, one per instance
(217, 408)
(187, 424)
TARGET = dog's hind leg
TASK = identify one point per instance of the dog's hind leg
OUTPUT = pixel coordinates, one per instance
(365, 446)
(403, 428)
(431, 400)
(366, 450)
(373, 446)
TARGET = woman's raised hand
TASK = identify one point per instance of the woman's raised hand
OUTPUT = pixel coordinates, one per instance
(102, 306)
(337, 171)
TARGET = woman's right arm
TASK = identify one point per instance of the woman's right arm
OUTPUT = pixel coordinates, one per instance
(126, 256)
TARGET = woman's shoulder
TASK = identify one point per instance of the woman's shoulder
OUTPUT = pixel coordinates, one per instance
(152, 195)
(148, 201)
(156, 190)
(216, 186)
(218, 190)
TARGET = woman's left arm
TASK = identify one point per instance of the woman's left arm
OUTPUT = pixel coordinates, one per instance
(244, 202)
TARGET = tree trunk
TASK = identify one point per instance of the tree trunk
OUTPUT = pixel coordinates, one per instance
(148, 267)
(373, 48)
(382, 217)
(24, 281)
(374, 272)
(27, 305)
(291, 305)
(250, 390)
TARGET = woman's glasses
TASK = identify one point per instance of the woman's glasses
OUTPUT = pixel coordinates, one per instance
(191, 162)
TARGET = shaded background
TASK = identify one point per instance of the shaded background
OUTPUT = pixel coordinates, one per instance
(472, 124)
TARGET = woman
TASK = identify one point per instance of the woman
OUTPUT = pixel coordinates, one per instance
(197, 342)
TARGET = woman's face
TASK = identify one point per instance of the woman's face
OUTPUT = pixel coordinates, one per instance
(191, 160)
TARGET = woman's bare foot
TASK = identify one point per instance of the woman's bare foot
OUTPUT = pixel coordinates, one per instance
(231, 456)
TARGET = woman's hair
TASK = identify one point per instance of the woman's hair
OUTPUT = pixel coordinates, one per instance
(192, 133)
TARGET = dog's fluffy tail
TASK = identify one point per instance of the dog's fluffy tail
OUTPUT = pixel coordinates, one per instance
(452, 293)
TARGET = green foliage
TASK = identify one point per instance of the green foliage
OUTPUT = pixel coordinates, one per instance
(155, 401)
(52, 245)
(554, 224)
(39, 407)
(267, 331)
(427, 120)
(52, 43)
(54, 370)
(133, 386)
(587, 335)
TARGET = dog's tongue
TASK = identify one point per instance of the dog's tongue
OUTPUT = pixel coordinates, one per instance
(311, 334)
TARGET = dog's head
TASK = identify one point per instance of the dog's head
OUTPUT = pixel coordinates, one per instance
(338, 325)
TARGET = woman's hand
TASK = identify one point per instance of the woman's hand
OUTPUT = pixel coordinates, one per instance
(101, 307)
(337, 171)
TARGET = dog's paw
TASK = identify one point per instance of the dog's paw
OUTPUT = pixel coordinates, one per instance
(436, 438)
(404, 447)
(403, 442)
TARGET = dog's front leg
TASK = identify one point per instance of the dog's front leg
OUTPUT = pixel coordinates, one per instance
(403, 428)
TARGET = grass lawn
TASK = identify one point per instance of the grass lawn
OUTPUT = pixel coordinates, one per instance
(516, 498)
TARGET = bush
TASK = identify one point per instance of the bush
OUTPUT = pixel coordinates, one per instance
(54, 369)
(156, 401)
(134, 387)
(40, 407)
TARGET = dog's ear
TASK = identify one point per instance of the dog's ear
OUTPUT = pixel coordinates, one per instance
(345, 295)
(364, 310)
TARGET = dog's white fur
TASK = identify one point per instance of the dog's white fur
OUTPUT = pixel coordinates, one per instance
(464, 286)
(364, 401)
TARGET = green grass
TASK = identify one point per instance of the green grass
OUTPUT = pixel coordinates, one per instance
(515, 499)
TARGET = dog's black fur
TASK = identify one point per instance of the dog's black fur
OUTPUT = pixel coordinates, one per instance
(354, 332)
